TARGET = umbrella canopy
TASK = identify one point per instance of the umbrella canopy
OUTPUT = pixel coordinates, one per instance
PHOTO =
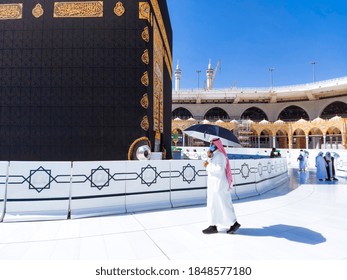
(208, 132)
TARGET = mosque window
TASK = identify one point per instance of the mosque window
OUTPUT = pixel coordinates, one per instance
(293, 113)
(254, 114)
(336, 108)
(181, 113)
(215, 114)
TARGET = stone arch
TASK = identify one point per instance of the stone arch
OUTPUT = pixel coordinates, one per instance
(215, 114)
(181, 113)
(336, 108)
(315, 138)
(293, 113)
(254, 114)
(299, 139)
(333, 138)
(281, 139)
(265, 138)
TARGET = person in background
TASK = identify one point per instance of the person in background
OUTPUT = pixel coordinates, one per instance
(301, 159)
(275, 153)
(306, 156)
(334, 157)
(219, 183)
(329, 166)
(321, 165)
(272, 154)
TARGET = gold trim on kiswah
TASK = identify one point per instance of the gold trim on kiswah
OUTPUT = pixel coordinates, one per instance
(145, 57)
(157, 12)
(145, 123)
(145, 34)
(132, 146)
(37, 11)
(144, 101)
(145, 79)
(11, 11)
(78, 9)
(119, 9)
(144, 11)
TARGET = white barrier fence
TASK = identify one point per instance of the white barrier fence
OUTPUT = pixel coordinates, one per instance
(291, 156)
(61, 190)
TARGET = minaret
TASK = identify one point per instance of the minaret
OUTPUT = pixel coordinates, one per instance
(178, 73)
(209, 75)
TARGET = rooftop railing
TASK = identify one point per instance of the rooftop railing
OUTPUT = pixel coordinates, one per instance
(233, 91)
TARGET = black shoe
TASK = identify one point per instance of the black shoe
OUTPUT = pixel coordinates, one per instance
(320, 179)
(335, 179)
(210, 229)
(234, 228)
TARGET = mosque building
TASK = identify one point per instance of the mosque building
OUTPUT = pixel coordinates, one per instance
(304, 116)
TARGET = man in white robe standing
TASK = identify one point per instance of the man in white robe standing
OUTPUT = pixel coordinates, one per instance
(219, 183)
(321, 165)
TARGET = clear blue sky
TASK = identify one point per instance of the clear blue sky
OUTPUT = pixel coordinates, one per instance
(251, 36)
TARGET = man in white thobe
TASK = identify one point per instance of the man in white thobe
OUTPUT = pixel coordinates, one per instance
(219, 203)
(321, 165)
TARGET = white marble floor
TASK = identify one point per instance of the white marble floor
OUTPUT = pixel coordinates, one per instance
(305, 220)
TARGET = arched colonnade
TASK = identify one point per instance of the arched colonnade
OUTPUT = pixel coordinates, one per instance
(302, 134)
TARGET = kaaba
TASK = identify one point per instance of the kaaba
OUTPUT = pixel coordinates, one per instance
(84, 80)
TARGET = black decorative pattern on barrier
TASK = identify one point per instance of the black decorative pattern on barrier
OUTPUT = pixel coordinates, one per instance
(97, 180)
(188, 176)
(40, 179)
(41, 175)
(149, 175)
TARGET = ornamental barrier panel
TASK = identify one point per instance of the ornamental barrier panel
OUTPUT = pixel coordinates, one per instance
(3, 178)
(188, 183)
(60, 190)
(97, 188)
(37, 191)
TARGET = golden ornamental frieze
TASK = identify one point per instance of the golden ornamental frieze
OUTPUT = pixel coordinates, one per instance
(145, 79)
(145, 57)
(144, 101)
(144, 11)
(158, 15)
(119, 9)
(145, 123)
(37, 11)
(168, 65)
(78, 9)
(145, 34)
(11, 11)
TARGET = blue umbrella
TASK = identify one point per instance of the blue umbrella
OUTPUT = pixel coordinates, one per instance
(208, 132)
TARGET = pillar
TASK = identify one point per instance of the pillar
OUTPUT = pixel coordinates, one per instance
(209, 76)
(178, 73)
(290, 141)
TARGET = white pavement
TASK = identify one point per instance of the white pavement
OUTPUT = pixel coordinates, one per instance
(304, 220)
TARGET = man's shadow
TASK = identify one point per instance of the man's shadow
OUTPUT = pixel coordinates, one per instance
(291, 233)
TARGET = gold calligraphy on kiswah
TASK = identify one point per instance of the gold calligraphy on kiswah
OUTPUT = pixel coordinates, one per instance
(78, 9)
(11, 11)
